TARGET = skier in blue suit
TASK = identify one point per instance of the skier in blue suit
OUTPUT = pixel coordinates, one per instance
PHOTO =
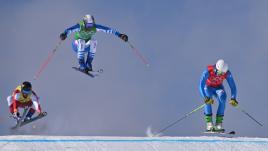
(211, 84)
(84, 45)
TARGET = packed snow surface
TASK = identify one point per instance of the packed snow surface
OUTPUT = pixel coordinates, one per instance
(91, 143)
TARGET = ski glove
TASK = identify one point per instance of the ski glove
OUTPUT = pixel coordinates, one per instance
(63, 36)
(16, 114)
(233, 102)
(123, 37)
(208, 100)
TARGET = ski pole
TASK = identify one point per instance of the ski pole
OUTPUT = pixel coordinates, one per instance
(243, 111)
(137, 52)
(48, 59)
(180, 119)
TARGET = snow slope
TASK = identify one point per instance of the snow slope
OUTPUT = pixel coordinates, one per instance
(203, 143)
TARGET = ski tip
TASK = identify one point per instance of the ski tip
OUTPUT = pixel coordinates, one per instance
(232, 132)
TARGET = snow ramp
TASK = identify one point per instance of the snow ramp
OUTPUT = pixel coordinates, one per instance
(90, 143)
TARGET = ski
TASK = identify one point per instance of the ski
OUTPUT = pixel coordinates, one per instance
(226, 134)
(19, 121)
(41, 115)
(92, 74)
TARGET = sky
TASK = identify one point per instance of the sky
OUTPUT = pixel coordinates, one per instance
(179, 38)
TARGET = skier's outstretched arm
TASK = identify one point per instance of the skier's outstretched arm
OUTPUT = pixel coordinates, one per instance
(202, 83)
(72, 29)
(109, 30)
(232, 85)
(68, 31)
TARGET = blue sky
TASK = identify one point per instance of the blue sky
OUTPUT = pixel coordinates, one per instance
(179, 38)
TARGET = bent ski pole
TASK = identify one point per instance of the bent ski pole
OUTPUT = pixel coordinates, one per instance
(185, 116)
(137, 52)
(45, 63)
(243, 111)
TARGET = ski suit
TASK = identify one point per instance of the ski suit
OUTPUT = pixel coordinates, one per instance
(84, 44)
(211, 85)
(17, 100)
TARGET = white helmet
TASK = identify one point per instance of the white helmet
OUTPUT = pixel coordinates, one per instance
(88, 19)
(222, 66)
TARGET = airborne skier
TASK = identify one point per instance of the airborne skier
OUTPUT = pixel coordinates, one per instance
(23, 96)
(211, 84)
(84, 44)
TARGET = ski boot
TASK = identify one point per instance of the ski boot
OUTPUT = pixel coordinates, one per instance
(209, 126)
(218, 126)
(89, 63)
(89, 69)
(83, 69)
(82, 66)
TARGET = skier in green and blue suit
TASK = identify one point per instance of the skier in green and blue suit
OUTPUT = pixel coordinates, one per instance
(84, 45)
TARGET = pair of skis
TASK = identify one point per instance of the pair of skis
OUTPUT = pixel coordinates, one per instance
(22, 121)
(92, 74)
(229, 133)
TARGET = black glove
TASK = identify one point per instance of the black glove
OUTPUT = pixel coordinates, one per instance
(63, 36)
(123, 37)
(208, 100)
(16, 115)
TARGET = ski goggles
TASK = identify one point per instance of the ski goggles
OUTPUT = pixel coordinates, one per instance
(89, 25)
(26, 91)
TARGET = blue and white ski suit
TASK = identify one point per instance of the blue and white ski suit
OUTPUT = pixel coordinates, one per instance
(218, 92)
(84, 44)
